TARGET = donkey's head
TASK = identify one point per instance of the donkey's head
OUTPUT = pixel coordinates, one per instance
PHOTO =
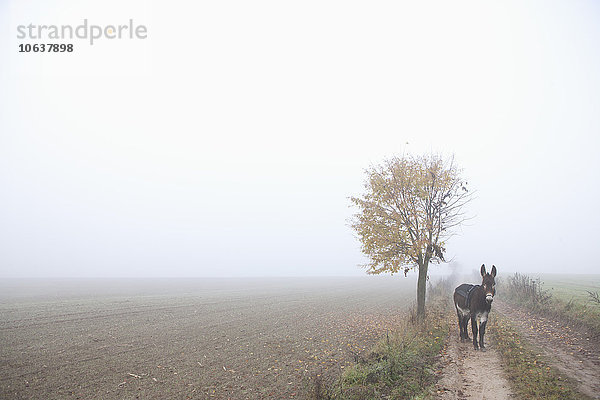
(489, 283)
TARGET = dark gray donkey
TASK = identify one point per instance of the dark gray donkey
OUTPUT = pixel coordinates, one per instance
(475, 302)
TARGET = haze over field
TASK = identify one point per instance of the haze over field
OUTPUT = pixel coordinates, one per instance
(228, 142)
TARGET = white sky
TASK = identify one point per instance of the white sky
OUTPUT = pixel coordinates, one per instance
(228, 142)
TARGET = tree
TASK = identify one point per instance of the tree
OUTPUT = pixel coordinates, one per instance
(407, 213)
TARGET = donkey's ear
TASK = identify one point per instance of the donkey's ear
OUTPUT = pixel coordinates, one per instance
(482, 269)
(493, 273)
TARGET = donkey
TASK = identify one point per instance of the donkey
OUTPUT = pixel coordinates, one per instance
(475, 302)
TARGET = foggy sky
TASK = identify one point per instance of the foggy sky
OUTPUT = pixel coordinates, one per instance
(229, 141)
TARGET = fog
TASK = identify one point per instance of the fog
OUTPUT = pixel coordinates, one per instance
(227, 143)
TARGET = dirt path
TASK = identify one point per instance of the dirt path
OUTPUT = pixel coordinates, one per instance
(470, 374)
(574, 352)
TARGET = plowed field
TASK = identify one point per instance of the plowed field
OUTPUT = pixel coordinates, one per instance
(180, 339)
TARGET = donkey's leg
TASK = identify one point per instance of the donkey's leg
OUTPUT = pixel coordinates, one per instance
(459, 325)
(466, 327)
(481, 333)
(474, 329)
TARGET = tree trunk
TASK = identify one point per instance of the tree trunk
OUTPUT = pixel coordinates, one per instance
(421, 287)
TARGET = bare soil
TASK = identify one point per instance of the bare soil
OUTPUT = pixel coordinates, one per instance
(572, 350)
(471, 374)
(187, 339)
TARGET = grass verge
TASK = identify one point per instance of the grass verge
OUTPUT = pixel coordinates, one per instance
(400, 366)
(531, 377)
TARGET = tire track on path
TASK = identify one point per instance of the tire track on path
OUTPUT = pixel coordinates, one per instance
(574, 352)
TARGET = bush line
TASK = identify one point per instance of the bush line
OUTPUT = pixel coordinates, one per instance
(523, 291)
